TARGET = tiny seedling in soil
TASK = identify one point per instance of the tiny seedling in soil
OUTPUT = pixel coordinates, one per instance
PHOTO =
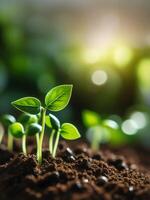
(7, 121)
(55, 100)
(99, 130)
(66, 130)
(16, 130)
(32, 128)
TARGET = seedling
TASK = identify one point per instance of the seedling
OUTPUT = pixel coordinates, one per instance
(66, 130)
(31, 128)
(99, 130)
(16, 130)
(7, 121)
(34, 129)
(55, 100)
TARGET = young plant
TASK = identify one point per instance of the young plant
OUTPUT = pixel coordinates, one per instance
(92, 121)
(29, 122)
(7, 121)
(16, 130)
(67, 131)
(99, 130)
(55, 100)
(34, 129)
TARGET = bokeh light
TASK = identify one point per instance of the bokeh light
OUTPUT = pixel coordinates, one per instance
(140, 119)
(129, 127)
(99, 77)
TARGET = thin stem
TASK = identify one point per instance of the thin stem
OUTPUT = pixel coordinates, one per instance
(10, 142)
(56, 144)
(1, 137)
(41, 137)
(24, 148)
(37, 144)
(95, 143)
(51, 139)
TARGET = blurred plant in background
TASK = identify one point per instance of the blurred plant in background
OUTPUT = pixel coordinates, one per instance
(105, 55)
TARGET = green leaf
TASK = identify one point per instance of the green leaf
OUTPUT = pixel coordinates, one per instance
(52, 122)
(27, 119)
(8, 120)
(69, 132)
(16, 130)
(33, 129)
(90, 118)
(30, 105)
(58, 97)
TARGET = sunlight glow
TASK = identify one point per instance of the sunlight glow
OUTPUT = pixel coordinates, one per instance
(122, 56)
(143, 73)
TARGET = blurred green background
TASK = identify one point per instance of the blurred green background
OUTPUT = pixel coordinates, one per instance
(101, 47)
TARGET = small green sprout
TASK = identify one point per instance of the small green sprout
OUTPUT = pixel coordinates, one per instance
(16, 130)
(27, 120)
(34, 129)
(53, 123)
(55, 100)
(8, 120)
(67, 131)
(99, 131)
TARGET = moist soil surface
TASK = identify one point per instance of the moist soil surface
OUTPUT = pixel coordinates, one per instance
(77, 173)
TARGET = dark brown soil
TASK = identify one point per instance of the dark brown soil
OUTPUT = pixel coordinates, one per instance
(78, 175)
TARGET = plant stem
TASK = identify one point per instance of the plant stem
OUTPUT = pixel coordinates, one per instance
(56, 144)
(41, 137)
(1, 137)
(37, 144)
(95, 143)
(10, 142)
(24, 149)
(51, 141)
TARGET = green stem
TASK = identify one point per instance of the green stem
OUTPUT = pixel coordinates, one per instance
(51, 141)
(95, 143)
(37, 144)
(24, 148)
(1, 137)
(41, 137)
(56, 144)
(10, 142)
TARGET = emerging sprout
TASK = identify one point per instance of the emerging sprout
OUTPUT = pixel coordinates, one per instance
(27, 120)
(16, 130)
(34, 129)
(53, 123)
(99, 130)
(55, 100)
(7, 121)
(67, 131)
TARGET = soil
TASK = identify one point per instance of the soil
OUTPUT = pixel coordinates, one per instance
(77, 173)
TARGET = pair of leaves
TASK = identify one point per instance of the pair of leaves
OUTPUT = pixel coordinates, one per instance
(17, 130)
(67, 131)
(55, 100)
